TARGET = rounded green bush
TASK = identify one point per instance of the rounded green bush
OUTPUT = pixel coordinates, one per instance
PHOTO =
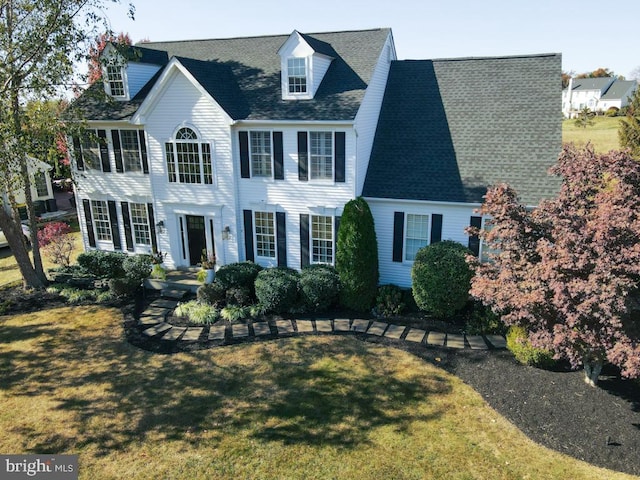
(484, 321)
(319, 287)
(137, 267)
(390, 301)
(518, 344)
(277, 289)
(123, 286)
(441, 278)
(238, 275)
(239, 296)
(211, 294)
(102, 264)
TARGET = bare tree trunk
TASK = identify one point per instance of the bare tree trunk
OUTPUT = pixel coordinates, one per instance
(592, 371)
(13, 233)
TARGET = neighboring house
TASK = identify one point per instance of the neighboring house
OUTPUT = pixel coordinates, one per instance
(250, 147)
(41, 188)
(597, 94)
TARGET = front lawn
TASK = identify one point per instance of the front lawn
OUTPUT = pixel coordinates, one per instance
(305, 407)
(603, 134)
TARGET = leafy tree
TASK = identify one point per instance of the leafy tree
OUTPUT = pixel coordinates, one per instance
(357, 256)
(635, 74)
(101, 41)
(566, 76)
(39, 42)
(585, 118)
(57, 242)
(629, 130)
(568, 271)
(599, 73)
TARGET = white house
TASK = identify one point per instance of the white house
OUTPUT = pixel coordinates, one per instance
(41, 188)
(250, 147)
(597, 94)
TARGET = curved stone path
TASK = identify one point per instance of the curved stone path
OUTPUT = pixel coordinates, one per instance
(152, 322)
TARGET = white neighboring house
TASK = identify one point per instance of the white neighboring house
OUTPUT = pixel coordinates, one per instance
(249, 148)
(41, 188)
(597, 94)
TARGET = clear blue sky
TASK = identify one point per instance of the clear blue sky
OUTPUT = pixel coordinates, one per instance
(589, 33)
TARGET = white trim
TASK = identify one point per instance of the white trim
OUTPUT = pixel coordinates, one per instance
(423, 202)
(405, 229)
(293, 123)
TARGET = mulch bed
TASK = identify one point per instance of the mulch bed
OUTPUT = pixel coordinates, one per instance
(554, 408)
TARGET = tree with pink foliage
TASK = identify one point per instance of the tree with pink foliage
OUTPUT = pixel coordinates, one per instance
(57, 242)
(569, 270)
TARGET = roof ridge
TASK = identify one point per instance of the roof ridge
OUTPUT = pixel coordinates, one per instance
(488, 57)
(260, 36)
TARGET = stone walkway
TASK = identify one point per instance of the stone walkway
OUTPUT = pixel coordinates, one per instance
(153, 324)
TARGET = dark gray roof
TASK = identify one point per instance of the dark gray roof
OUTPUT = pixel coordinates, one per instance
(619, 89)
(450, 128)
(598, 83)
(147, 55)
(253, 65)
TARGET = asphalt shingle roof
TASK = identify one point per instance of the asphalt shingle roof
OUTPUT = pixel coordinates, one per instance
(254, 64)
(598, 83)
(450, 128)
(618, 89)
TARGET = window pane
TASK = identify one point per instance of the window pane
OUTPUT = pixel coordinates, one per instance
(186, 134)
(91, 151)
(188, 162)
(417, 235)
(140, 222)
(297, 74)
(265, 235)
(206, 163)
(130, 150)
(260, 154)
(321, 155)
(115, 80)
(171, 165)
(101, 220)
(322, 239)
(41, 184)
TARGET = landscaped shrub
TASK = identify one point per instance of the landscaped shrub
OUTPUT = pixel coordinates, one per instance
(390, 301)
(612, 112)
(277, 289)
(518, 344)
(233, 313)
(357, 256)
(212, 294)
(319, 287)
(242, 274)
(56, 242)
(484, 321)
(137, 267)
(239, 296)
(441, 278)
(102, 264)
(123, 286)
(197, 312)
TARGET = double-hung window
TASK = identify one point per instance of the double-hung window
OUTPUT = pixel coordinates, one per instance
(40, 180)
(417, 235)
(101, 222)
(91, 150)
(140, 223)
(265, 234)
(321, 155)
(131, 154)
(115, 80)
(322, 239)
(188, 159)
(297, 75)
(261, 153)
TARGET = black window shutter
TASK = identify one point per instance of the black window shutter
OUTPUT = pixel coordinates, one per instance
(117, 150)
(248, 235)
(281, 234)
(303, 157)
(244, 154)
(115, 231)
(89, 223)
(304, 240)
(339, 157)
(143, 151)
(436, 228)
(77, 153)
(126, 220)
(152, 228)
(278, 156)
(104, 151)
(474, 240)
(398, 235)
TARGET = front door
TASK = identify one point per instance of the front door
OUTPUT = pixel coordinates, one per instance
(196, 238)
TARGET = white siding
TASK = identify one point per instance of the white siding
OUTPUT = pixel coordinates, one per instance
(291, 195)
(319, 66)
(138, 74)
(455, 218)
(180, 103)
(367, 117)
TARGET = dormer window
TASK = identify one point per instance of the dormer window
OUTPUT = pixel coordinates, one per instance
(115, 81)
(297, 75)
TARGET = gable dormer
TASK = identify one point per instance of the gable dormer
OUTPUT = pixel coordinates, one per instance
(125, 70)
(303, 63)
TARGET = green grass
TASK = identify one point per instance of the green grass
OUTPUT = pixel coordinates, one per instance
(300, 408)
(603, 135)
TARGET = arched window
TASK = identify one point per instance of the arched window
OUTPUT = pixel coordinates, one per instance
(188, 160)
